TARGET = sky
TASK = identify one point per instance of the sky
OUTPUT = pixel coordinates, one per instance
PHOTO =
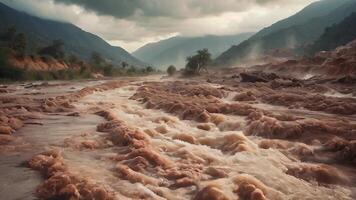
(134, 23)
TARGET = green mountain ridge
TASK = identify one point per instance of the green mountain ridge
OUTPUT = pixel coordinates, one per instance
(314, 10)
(337, 35)
(41, 32)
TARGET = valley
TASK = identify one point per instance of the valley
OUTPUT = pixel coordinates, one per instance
(177, 100)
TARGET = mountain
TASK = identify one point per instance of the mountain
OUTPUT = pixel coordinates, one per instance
(173, 51)
(338, 63)
(336, 35)
(316, 9)
(41, 32)
(301, 29)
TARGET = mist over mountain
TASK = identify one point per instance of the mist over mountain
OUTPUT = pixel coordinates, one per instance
(173, 51)
(336, 35)
(41, 32)
(316, 9)
(301, 29)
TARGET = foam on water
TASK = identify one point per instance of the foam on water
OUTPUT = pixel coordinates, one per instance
(268, 166)
(223, 148)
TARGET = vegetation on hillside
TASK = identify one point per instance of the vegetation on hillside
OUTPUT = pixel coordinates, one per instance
(42, 32)
(13, 45)
(336, 35)
(55, 50)
(6, 71)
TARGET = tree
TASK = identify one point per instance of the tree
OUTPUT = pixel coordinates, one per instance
(73, 59)
(124, 64)
(19, 44)
(15, 41)
(198, 62)
(132, 70)
(56, 49)
(97, 59)
(6, 70)
(149, 69)
(171, 70)
(108, 70)
(9, 35)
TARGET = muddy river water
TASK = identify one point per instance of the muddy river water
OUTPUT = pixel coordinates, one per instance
(153, 138)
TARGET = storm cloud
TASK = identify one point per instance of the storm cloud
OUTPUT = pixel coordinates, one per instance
(165, 8)
(132, 23)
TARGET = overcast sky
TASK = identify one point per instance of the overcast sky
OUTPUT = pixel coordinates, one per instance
(133, 23)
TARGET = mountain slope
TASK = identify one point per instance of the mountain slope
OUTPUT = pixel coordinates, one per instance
(292, 36)
(339, 62)
(41, 32)
(314, 10)
(149, 51)
(175, 50)
(336, 35)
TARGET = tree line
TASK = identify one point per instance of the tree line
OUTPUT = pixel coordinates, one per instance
(14, 43)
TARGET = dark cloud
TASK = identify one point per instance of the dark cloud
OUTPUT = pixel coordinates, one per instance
(164, 8)
(117, 8)
(132, 23)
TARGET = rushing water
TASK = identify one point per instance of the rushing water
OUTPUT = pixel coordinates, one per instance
(59, 131)
(266, 165)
